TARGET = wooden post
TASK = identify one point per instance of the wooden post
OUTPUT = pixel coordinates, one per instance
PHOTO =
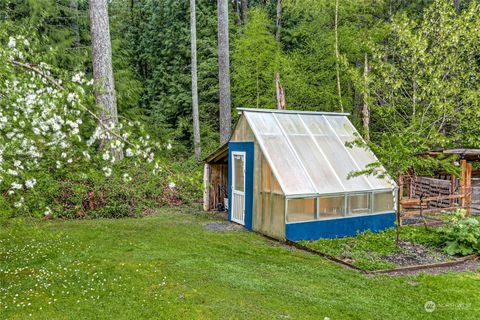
(463, 178)
(400, 196)
(453, 187)
(206, 187)
(408, 185)
(468, 188)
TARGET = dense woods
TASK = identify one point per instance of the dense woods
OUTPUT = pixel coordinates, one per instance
(406, 71)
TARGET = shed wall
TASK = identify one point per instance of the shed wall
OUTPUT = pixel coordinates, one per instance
(270, 217)
(242, 131)
(218, 184)
(268, 210)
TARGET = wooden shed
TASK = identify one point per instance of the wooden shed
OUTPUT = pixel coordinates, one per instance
(216, 180)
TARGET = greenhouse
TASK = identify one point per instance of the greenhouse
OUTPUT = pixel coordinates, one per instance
(291, 175)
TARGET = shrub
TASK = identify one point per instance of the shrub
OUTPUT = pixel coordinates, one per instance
(460, 236)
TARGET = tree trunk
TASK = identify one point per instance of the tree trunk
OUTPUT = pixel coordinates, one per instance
(224, 72)
(132, 6)
(238, 13)
(366, 108)
(74, 23)
(456, 4)
(102, 68)
(281, 102)
(244, 10)
(337, 57)
(278, 34)
(196, 121)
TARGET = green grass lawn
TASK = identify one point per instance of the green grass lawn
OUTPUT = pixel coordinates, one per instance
(167, 266)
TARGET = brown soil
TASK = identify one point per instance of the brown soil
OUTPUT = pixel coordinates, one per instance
(415, 254)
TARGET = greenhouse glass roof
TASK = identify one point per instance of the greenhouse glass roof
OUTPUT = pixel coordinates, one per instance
(307, 152)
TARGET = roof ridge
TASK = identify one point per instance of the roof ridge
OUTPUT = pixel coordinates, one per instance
(326, 113)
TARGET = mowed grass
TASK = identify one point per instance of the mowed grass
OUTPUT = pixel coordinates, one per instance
(167, 266)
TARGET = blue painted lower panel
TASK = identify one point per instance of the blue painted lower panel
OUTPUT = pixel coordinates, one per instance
(336, 228)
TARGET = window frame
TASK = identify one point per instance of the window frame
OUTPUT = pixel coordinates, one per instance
(371, 194)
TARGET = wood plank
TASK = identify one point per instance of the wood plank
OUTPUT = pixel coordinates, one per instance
(428, 199)
(206, 187)
(427, 211)
(468, 187)
(453, 187)
(463, 166)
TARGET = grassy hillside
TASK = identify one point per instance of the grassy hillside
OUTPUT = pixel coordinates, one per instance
(167, 266)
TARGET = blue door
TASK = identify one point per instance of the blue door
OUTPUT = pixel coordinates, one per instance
(240, 182)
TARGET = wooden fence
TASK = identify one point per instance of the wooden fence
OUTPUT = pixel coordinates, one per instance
(426, 195)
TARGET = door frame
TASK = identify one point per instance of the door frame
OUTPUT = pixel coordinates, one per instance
(248, 148)
(232, 157)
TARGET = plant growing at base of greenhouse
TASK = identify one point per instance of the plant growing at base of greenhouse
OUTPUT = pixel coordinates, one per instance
(46, 125)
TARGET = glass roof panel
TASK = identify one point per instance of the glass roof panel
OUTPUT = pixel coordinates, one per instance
(363, 157)
(312, 158)
(286, 166)
(307, 152)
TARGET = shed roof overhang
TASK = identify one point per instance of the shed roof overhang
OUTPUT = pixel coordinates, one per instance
(463, 153)
(218, 156)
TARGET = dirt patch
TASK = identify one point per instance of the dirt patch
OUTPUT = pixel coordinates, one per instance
(415, 254)
(221, 226)
(417, 221)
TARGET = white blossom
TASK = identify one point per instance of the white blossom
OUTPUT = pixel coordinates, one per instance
(30, 183)
(107, 171)
(72, 97)
(126, 177)
(12, 42)
(78, 77)
(16, 186)
(47, 212)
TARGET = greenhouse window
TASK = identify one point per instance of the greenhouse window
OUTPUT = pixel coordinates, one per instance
(301, 209)
(359, 204)
(332, 207)
(383, 202)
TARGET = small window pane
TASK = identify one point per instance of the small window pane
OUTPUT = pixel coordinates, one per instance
(239, 172)
(358, 204)
(332, 207)
(383, 202)
(301, 209)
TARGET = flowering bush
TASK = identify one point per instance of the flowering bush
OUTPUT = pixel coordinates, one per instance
(49, 133)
